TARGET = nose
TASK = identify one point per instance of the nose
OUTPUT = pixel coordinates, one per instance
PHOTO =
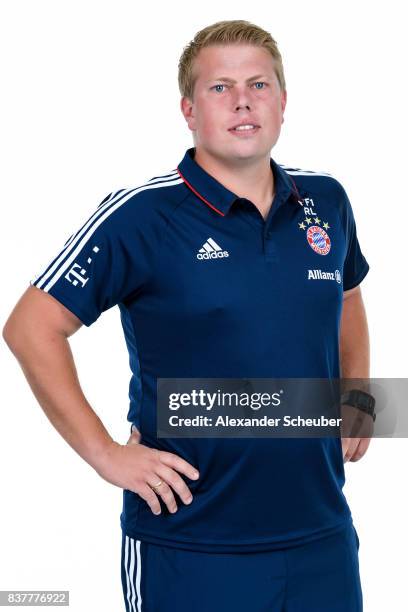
(242, 97)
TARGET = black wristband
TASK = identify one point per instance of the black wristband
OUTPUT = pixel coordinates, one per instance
(361, 400)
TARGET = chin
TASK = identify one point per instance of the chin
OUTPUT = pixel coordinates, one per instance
(255, 150)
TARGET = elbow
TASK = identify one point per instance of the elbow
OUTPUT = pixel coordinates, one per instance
(15, 332)
(10, 334)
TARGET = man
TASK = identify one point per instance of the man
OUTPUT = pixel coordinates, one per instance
(230, 265)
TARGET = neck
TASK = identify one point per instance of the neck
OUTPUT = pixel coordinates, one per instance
(250, 179)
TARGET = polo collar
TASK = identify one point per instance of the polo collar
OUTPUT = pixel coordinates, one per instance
(218, 197)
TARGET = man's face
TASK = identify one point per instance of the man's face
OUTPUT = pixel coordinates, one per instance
(252, 94)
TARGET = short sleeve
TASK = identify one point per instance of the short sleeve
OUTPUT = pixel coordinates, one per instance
(100, 265)
(355, 265)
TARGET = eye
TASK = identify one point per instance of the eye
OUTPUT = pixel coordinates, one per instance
(256, 83)
(218, 85)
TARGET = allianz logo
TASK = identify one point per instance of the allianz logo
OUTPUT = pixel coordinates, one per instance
(211, 250)
(319, 275)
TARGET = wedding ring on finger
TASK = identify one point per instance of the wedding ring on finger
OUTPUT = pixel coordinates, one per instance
(155, 486)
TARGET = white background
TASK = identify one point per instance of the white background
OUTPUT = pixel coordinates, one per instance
(90, 103)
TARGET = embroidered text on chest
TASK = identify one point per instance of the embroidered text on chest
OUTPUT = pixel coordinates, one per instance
(317, 237)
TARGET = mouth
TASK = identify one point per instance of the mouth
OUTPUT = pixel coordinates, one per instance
(245, 131)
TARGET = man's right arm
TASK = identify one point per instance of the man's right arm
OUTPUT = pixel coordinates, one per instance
(37, 333)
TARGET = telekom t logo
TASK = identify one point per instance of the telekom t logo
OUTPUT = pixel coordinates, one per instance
(76, 274)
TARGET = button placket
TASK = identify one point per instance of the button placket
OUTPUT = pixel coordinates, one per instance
(269, 246)
(270, 249)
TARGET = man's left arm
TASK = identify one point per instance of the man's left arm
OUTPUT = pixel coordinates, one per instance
(354, 357)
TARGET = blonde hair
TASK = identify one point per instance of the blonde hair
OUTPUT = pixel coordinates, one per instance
(236, 31)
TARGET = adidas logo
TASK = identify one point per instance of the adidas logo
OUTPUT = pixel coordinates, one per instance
(211, 250)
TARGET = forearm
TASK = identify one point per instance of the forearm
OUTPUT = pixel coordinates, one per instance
(354, 341)
(48, 365)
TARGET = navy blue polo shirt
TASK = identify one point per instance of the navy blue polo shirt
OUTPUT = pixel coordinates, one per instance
(207, 287)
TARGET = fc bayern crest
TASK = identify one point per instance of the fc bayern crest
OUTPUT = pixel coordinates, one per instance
(318, 239)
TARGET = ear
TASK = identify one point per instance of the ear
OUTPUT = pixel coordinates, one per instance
(186, 106)
(284, 99)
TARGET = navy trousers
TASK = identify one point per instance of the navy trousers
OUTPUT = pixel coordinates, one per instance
(320, 576)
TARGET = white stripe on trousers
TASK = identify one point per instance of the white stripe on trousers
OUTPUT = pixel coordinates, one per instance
(132, 577)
